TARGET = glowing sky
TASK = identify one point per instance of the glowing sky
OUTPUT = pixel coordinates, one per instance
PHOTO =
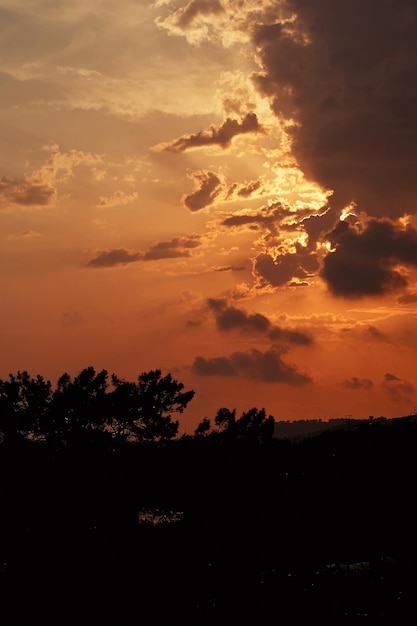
(223, 190)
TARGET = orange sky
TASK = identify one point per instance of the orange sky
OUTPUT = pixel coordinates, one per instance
(225, 191)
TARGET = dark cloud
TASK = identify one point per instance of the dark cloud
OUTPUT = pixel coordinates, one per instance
(177, 247)
(365, 259)
(244, 190)
(374, 333)
(397, 388)
(229, 318)
(285, 335)
(318, 224)
(355, 383)
(210, 186)
(267, 217)
(218, 366)
(221, 136)
(26, 193)
(346, 73)
(407, 298)
(230, 268)
(265, 367)
(113, 258)
(286, 267)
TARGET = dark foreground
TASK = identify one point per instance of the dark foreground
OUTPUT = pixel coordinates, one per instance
(323, 529)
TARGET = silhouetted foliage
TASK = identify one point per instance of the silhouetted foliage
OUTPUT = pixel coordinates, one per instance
(76, 406)
(142, 411)
(252, 425)
(230, 523)
(24, 402)
(80, 407)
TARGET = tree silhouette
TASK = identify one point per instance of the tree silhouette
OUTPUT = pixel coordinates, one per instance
(142, 411)
(87, 406)
(77, 406)
(255, 425)
(225, 419)
(252, 425)
(24, 402)
(203, 428)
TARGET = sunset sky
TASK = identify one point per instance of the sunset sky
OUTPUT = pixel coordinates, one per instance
(222, 190)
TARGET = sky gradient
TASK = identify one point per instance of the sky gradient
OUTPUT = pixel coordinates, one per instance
(225, 191)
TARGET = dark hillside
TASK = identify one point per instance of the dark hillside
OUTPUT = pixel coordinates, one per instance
(205, 528)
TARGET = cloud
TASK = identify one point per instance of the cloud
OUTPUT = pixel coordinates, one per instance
(266, 217)
(398, 389)
(286, 267)
(230, 318)
(265, 367)
(114, 258)
(317, 225)
(117, 198)
(230, 268)
(221, 136)
(245, 190)
(374, 333)
(355, 383)
(39, 188)
(277, 218)
(369, 259)
(177, 247)
(214, 21)
(185, 16)
(210, 186)
(345, 73)
(26, 192)
(60, 166)
(408, 298)
(218, 366)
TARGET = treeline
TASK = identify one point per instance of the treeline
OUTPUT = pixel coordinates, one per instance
(91, 404)
(106, 409)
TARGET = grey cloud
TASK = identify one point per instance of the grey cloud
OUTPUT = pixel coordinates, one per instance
(230, 268)
(374, 333)
(244, 190)
(318, 224)
(266, 217)
(265, 367)
(113, 258)
(26, 192)
(218, 366)
(346, 71)
(177, 247)
(407, 298)
(280, 272)
(364, 260)
(355, 383)
(210, 186)
(221, 136)
(399, 389)
(229, 318)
